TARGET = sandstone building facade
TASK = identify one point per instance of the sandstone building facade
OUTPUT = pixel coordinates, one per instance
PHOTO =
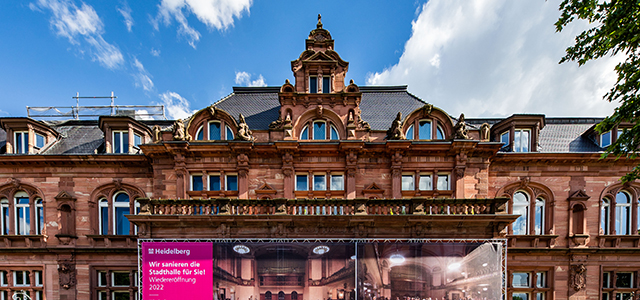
(317, 158)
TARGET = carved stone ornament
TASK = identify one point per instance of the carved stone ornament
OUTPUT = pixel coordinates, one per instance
(578, 277)
(157, 134)
(460, 131)
(484, 132)
(277, 124)
(67, 274)
(178, 131)
(395, 132)
(319, 111)
(244, 134)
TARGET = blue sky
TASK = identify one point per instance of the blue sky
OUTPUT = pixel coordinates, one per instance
(486, 58)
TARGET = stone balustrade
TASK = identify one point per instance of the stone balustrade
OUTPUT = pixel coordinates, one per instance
(324, 207)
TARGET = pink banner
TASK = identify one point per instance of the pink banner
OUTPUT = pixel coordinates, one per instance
(177, 270)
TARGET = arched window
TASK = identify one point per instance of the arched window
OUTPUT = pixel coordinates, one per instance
(539, 217)
(120, 209)
(334, 133)
(623, 213)
(4, 217)
(267, 295)
(22, 213)
(294, 295)
(424, 130)
(409, 134)
(604, 216)
(521, 207)
(304, 135)
(320, 130)
(281, 295)
(229, 133)
(66, 220)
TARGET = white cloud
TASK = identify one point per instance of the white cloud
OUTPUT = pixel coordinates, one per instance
(216, 14)
(496, 58)
(125, 11)
(244, 78)
(155, 52)
(82, 27)
(176, 107)
(142, 77)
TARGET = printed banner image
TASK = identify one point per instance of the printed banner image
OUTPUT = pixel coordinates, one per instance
(322, 270)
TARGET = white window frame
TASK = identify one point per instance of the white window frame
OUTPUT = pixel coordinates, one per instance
(528, 285)
(25, 278)
(321, 84)
(411, 130)
(220, 128)
(101, 204)
(608, 139)
(106, 278)
(305, 128)
(39, 212)
(336, 175)
(227, 130)
(140, 137)
(605, 215)
(23, 148)
(113, 211)
(332, 128)
(200, 130)
(121, 140)
(620, 212)
(404, 186)
(113, 278)
(313, 125)
(518, 148)
(428, 178)
(324, 181)
(39, 279)
(4, 278)
(430, 129)
(25, 225)
(191, 182)
(35, 141)
(543, 208)
(527, 210)
(448, 181)
(4, 216)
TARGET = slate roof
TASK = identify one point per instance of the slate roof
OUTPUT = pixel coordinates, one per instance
(259, 106)
(78, 138)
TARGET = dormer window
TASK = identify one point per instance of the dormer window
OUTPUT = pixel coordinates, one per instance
(137, 141)
(521, 140)
(504, 138)
(215, 132)
(40, 141)
(425, 131)
(21, 139)
(120, 142)
(320, 131)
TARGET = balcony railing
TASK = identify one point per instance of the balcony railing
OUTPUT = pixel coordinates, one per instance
(322, 207)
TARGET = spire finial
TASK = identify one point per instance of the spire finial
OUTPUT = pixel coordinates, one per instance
(319, 21)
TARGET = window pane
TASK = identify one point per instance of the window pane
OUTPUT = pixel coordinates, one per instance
(116, 143)
(39, 140)
(541, 280)
(407, 183)
(313, 84)
(232, 182)
(425, 130)
(5, 217)
(443, 182)
(539, 296)
(520, 280)
(214, 131)
(520, 296)
(326, 84)
(214, 182)
(104, 222)
(122, 223)
(604, 216)
(539, 219)
(623, 219)
(40, 218)
(504, 138)
(120, 296)
(125, 142)
(334, 134)
(301, 182)
(425, 182)
(102, 278)
(229, 133)
(516, 141)
(319, 131)
(440, 133)
(319, 183)
(521, 207)
(337, 183)
(121, 278)
(137, 140)
(305, 133)
(624, 279)
(605, 139)
(200, 134)
(196, 182)
(409, 134)
(524, 141)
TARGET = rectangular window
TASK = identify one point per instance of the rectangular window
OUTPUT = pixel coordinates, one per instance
(521, 140)
(214, 182)
(232, 182)
(38, 276)
(3, 278)
(520, 296)
(214, 131)
(40, 141)
(443, 182)
(624, 280)
(102, 278)
(137, 141)
(425, 182)
(319, 131)
(120, 295)
(4, 216)
(302, 183)
(196, 183)
(504, 138)
(21, 141)
(337, 182)
(326, 84)
(319, 183)
(424, 131)
(120, 142)
(541, 280)
(23, 216)
(407, 183)
(520, 279)
(313, 84)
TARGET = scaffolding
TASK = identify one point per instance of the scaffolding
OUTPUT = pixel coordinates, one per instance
(138, 112)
